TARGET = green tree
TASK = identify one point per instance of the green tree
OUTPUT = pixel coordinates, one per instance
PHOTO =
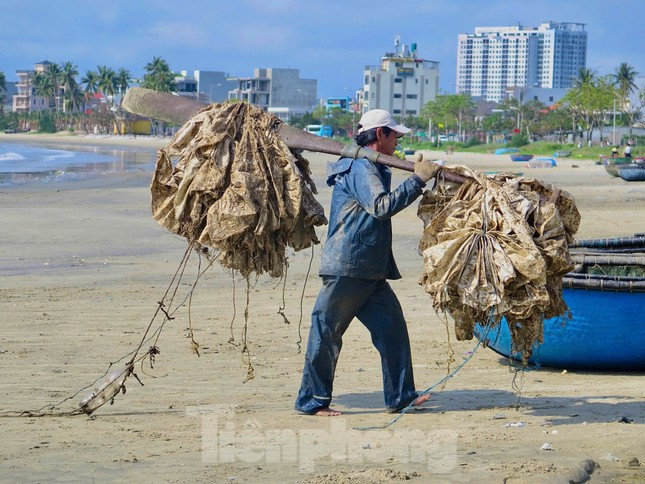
(303, 120)
(589, 103)
(107, 83)
(43, 86)
(3, 92)
(449, 110)
(123, 79)
(625, 81)
(532, 114)
(91, 82)
(54, 73)
(74, 98)
(585, 76)
(158, 76)
(498, 123)
(68, 74)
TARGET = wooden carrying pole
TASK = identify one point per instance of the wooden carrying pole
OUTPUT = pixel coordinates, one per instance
(178, 109)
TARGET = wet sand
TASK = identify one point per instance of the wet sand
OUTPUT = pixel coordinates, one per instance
(84, 265)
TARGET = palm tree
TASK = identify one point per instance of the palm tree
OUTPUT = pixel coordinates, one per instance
(3, 91)
(123, 79)
(106, 81)
(74, 98)
(68, 79)
(585, 76)
(54, 73)
(43, 85)
(625, 79)
(91, 81)
(159, 76)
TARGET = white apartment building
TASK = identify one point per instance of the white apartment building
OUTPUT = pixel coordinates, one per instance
(401, 84)
(494, 58)
(279, 91)
(26, 100)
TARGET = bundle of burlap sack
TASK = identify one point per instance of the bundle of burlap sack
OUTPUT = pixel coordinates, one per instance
(238, 188)
(497, 247)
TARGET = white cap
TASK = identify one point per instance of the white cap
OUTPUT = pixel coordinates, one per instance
(378, 118)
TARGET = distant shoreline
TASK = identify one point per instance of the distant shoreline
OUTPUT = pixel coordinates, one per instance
(88, 139)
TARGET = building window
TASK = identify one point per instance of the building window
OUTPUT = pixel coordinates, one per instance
(411, 96)
(367, 79)
(398, 79)
(551, 99)
(410, 111)
(396, 111)
(397, 96)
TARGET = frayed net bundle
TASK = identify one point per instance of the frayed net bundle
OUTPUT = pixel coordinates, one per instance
(497, 247)
(238, 188)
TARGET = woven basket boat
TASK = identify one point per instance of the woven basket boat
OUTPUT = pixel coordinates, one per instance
(606, 296)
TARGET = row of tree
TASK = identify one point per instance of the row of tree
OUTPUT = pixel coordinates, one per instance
(69, 96)
(584, 108)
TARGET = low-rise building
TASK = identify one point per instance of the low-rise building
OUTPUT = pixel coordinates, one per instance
(206, 86)
(548, 96)
(401, 84)
(279, 91)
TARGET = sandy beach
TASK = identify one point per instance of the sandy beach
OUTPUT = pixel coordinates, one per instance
(84, 264)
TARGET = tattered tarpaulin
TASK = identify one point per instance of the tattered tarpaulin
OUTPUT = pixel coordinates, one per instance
(498, 247)
(237, 188)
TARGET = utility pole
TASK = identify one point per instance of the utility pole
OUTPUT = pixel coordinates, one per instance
(614, 132)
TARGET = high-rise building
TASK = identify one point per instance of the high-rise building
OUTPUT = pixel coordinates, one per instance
(494, 58)
(279, 91)
(401, 84)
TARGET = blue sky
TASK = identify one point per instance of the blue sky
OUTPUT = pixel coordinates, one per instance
(330, 41)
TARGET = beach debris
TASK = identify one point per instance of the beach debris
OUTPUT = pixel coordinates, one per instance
(625, 420)
(497, 247)
(498, 416)
(546, 446)
(236, 187)
(109, 388)
(633, 462)
(611, 457)
(515, 424)
(564, 372)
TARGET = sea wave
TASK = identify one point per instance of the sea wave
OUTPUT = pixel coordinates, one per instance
(11, 156)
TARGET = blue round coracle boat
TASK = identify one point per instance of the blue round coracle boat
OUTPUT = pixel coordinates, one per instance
(607, 326)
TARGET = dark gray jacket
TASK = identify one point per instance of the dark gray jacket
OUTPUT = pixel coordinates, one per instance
(359, 237)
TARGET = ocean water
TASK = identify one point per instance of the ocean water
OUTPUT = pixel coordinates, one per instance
(42, 163)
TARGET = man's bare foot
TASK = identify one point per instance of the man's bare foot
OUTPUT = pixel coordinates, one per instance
(421, 400)
(327, 412)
